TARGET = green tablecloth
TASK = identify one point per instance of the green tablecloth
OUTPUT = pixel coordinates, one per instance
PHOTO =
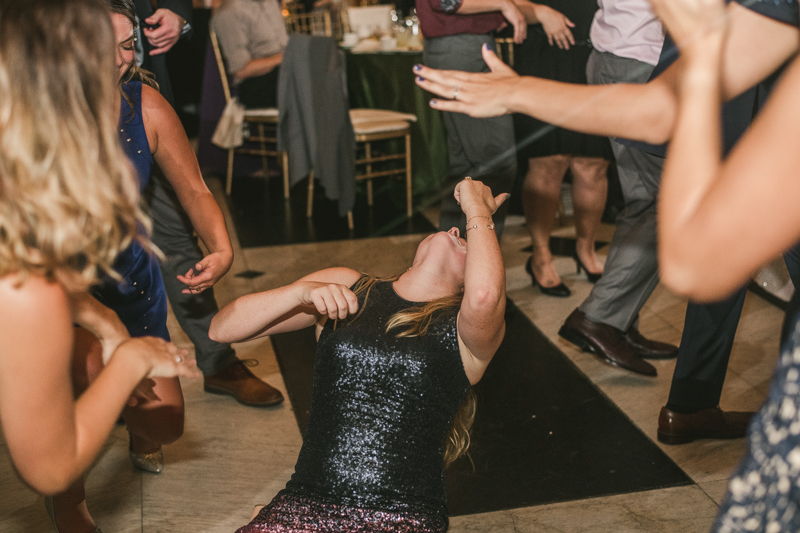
(384, 80)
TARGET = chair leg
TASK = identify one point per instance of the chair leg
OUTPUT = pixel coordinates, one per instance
(409, 210)
(264, 163)
(229, 175)
(285, 168)
(350, 224)
(310, 205)
(368, 152)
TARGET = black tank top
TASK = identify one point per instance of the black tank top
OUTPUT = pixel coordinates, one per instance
(381, 410)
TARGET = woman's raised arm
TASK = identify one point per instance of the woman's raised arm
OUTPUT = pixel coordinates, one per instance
(719, 220)
(481, 324)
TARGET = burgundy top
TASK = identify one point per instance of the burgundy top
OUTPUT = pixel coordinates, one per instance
(439, 18)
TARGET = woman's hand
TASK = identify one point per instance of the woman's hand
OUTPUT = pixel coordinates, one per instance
(478, 95)
(690, 20)
(207, 272)
(555, 25)
(516, 19)
(330, 299)
(162, 359)
(476, 199)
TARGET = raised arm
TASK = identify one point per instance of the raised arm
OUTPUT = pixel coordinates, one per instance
(755, 47)
(721, 220)
(481, 324)
(53, 438)
(173, 153)
(310, 300)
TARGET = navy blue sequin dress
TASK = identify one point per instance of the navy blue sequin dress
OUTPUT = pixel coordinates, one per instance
(140, 299)
(381, 409)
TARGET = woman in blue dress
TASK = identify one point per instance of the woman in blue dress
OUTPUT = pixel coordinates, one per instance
(150, 133)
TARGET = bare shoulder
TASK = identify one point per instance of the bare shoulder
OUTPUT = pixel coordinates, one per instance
(32, 304)
(155, 108)
(341, 275)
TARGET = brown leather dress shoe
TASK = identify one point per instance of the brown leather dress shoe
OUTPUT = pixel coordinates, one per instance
(236, 380)
(648, 349)
(712, 423)
(604, 341)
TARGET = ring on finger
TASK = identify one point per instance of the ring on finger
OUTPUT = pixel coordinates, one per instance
(455, 92)
(179, 359)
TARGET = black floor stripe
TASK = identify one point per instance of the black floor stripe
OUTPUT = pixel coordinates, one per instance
(543, 432)
(263, 218)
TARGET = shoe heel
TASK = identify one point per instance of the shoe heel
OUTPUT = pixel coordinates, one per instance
(666, 438)
(575, 339)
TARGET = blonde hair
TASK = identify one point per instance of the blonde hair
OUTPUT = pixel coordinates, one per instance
(69, 199)
(416, 322)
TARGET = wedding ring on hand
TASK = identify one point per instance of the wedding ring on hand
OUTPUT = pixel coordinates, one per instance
(467, 178)
(179, 359)
(455, 92)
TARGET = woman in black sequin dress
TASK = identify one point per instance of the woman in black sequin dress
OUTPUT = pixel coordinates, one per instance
(395, 361)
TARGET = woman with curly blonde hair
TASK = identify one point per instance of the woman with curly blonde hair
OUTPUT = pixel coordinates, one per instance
(395, 362)
(68, 206)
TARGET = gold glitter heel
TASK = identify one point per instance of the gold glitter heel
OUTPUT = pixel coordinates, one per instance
(149, 462)
(48, 504)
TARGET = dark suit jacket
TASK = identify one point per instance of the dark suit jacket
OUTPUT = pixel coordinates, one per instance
(158, 64)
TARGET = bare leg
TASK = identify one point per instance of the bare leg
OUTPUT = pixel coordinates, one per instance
(540, 196)
(589, 196)
(157, 418)
(69, 507)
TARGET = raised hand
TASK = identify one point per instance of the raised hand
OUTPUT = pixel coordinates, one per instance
(689, 20)
(330, 299)
(476, 199)
(478, 95)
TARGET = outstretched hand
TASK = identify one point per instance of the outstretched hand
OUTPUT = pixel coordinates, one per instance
(206, 273)
(478, 95)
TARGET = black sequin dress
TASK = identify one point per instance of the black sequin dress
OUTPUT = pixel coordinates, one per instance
(381, 409)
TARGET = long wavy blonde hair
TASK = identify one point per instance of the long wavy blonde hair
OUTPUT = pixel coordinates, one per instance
(69, 200)
(415, 322)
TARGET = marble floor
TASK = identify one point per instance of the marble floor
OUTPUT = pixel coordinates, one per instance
(234, 457)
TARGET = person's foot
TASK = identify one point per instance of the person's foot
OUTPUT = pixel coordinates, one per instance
(72, 517)
(236, 380)
(606, 342)
(145, 455)
(649, 349)
(712, 423)
(558, 289)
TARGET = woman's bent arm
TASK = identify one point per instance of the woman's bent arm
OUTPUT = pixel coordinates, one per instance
(52, 438)
(307, 301)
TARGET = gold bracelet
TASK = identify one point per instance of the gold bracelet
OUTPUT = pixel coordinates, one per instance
(489, 218)
(488, 226)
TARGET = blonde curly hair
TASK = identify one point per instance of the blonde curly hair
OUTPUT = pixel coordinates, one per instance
(69, 199)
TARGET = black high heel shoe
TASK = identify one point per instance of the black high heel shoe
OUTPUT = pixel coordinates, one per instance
(559, 291)
(592, 276)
